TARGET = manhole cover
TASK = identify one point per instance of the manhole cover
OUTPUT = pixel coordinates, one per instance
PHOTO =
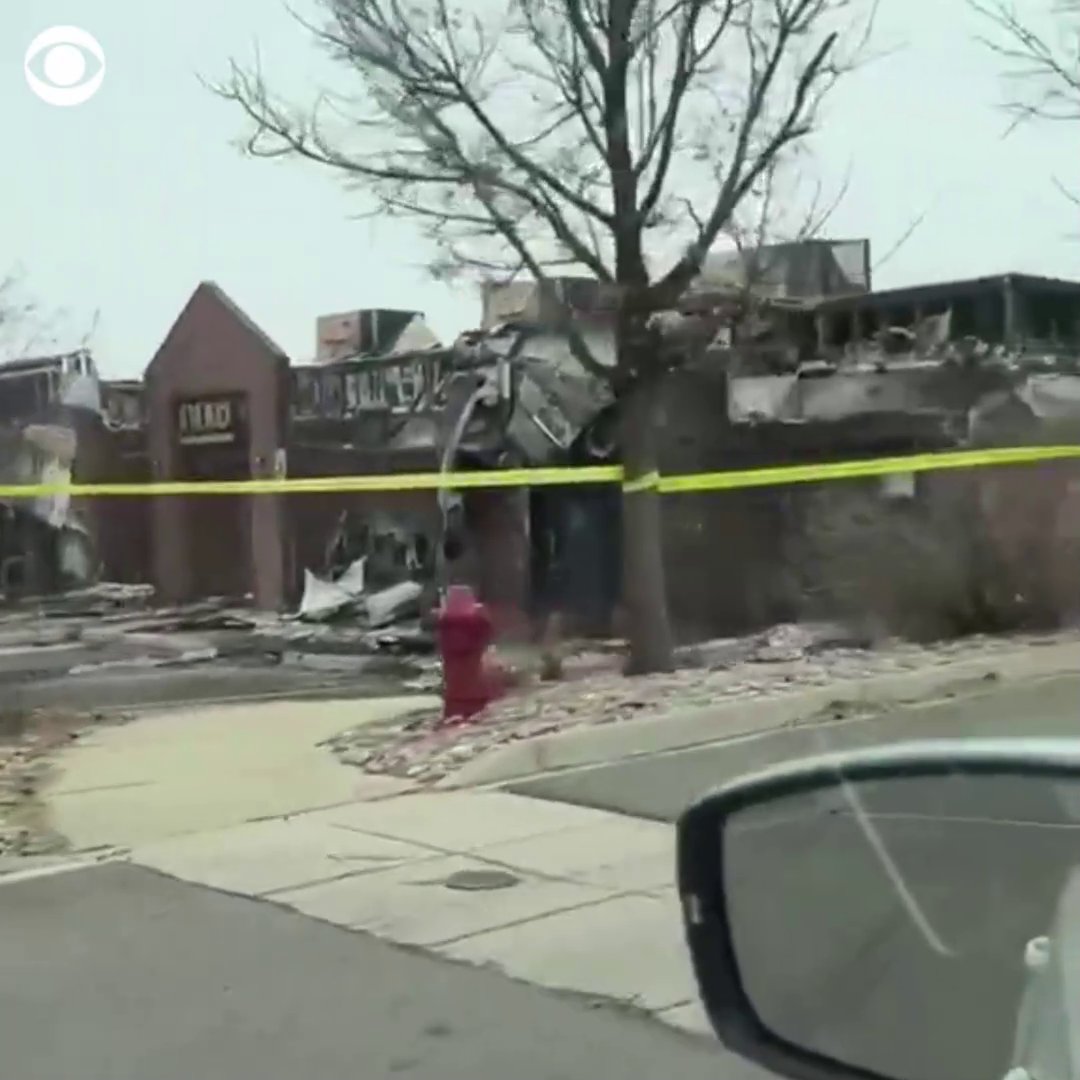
(481, 880)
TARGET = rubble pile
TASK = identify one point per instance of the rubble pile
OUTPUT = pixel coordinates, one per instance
(780, 661)
(109, 629)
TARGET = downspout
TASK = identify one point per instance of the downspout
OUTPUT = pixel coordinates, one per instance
(448, 499)
(495, 384)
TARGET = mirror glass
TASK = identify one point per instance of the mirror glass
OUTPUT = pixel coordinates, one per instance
(920, 928)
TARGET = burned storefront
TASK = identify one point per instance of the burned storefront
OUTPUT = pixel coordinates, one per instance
(382, 399)
(43, 545)
(51, 432)
(965, 364)
(495, 399)
(546, 411)
(222, 403)
(810, 365)
(357, 416)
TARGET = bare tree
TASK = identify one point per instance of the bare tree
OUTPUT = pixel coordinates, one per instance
(615, 138)
(1042, 52)
(23, 325)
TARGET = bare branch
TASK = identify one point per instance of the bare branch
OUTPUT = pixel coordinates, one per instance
(1043, 64)
(1070, 195)
(913, 227)
(1073, 198)
(745, 168)
(818, 216)
(560, 135)
(24, 326)
(689, 59)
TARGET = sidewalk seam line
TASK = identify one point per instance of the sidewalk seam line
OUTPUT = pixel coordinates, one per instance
(278, 890)
(523, 922)
(467, 853)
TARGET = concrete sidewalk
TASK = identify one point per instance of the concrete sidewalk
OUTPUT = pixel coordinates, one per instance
(198, 769)
(554, 895)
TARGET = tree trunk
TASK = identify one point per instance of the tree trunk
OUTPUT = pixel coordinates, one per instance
(644, 588)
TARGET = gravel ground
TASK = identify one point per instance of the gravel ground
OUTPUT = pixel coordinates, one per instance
(593, 691)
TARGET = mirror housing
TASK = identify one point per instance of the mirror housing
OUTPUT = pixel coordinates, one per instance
(707, 915)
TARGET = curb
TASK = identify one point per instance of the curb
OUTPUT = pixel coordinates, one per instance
(604, 743)
(66, 866)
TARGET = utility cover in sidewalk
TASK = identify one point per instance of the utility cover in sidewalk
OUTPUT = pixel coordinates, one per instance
(481, 880)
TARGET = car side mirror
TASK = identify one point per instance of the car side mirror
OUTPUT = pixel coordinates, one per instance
(872, 914)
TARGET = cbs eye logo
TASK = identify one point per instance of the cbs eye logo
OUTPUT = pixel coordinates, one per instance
(65, 56)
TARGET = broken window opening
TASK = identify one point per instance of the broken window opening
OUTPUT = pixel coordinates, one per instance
(981, 317)
(1053, 319)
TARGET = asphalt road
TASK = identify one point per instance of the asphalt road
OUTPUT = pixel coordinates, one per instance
(116, 973)
(835, 960)
(830, 953)
(661, 786)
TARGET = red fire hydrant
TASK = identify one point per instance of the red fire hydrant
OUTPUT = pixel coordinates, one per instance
(465, 630)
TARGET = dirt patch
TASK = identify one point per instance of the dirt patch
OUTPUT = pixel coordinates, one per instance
(13, 724)
(28, 740)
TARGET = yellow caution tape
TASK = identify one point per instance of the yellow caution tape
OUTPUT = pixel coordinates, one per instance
(604, 474)
(851, 470)
(495, 478)
(646, 482)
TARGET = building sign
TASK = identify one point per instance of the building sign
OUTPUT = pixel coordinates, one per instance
(386, 387)
(209, 421)
(365, 387)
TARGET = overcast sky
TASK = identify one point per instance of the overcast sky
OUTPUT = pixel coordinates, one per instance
(122, 205)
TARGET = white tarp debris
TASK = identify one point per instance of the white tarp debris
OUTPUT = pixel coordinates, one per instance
(75, 555)
(321, 599)
(390, 604)
(352, 581)
(1052, 397)
(324, 599)
(47, 457)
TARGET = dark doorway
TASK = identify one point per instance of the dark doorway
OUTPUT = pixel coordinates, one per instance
(575, 555)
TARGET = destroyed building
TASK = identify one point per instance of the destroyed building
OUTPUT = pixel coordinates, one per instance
(988, 361)
(808, 364)
(577, 529)
(479, 404)
(51, 432)
(223, 402)
(804, 362)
